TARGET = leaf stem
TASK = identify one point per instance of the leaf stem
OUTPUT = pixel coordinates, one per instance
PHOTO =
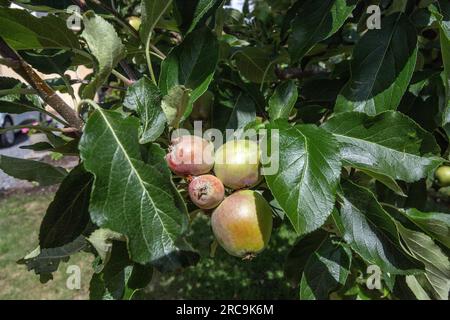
(148, 44)
(127, 82)
(90, 102)
(149, 59)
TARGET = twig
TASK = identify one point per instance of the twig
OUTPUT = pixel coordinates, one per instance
(295, 73)
(43, 89)
(39, 128)
(128, 70)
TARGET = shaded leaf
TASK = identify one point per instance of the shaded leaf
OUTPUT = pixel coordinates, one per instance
(382, 67)
(22, 31)
(68, 215)
(283, 100)
(43, 173)
(299, 254)
(46, 261)
(120, 278)
(244, 112)
(327, 269)
(192, 13)
(151, 13)
(16, 107)
(255, 64)
(49, 61)
(316, 21)
(191, 64)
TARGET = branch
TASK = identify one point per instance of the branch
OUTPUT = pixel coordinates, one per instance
(43, 89)
(295, 73)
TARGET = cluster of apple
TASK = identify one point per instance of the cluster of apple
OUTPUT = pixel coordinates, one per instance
(242, 221)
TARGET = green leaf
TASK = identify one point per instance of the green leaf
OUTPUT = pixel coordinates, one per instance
(435, 224)
(120, 278)
(102, 240)
(371, 231)
(283, 100)
(145, 98)
(244, 112)
(16, 107)
(299, 254)
(43, 173)
(315, 22)
(46, 261)
(39, 146)
(308, 175)
(382, 67)
(319, 264)
(49, 61)
(416, 288)
(192, 13)
(326, 270)
(443, 21)
(106, 47)
(437, 265)
(68, 214)
(130, 196)
(175, 104)
(390, 144)
(70, 148)
(386, 180)
(23, 31)
(255, 64)
(191, 64)
(10, 83)
(151, 13)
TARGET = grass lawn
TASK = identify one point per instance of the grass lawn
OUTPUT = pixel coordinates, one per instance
(20, 217)
(221, 277)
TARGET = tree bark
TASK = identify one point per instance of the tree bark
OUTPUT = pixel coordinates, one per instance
(42, 88)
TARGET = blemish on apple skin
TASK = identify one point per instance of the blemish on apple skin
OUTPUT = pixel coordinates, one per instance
(206, 191)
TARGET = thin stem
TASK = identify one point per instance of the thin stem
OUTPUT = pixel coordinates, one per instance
(157, 55)
(149, 59)
(265, 75)
(148, 44)
(39, 128)
(121, 77)
(157, 51)
(89, 102)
